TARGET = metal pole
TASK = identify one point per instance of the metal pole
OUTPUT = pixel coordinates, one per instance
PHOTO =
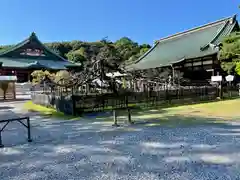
(129, 116)
(29, 130)
(115, 118)
(230, 88)
(1, 145)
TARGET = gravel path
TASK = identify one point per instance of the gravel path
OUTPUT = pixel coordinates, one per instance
(87, 150)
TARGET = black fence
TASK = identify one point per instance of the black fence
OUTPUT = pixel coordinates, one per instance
(77, 101)
(102, 102)
(230, 92)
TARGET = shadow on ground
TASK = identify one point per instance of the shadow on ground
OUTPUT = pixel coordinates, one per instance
(168, 147)
(6, 107)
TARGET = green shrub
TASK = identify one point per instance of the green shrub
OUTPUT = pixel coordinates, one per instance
(38, 75)
(62, 76)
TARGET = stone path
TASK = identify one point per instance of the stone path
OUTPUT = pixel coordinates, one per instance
(88, 150)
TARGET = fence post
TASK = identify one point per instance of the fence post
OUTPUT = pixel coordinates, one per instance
(166, 93)
(115, 118)
(220, 90)
(1, 145)
(14, 90)
(29, 130)
(128, 110)
(73, 105)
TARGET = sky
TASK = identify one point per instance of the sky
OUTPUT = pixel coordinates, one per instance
(144, 21)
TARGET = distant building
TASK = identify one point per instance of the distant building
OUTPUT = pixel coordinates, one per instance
(194, 52)
(29, 55)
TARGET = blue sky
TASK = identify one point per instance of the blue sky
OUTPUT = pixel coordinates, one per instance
(90, 20)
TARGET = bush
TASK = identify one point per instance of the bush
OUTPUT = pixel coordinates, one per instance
(62, 76)
(38, 75)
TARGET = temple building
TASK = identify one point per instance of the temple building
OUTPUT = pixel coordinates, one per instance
(194, 52)
(29, 55)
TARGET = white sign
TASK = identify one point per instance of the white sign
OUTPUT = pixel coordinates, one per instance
(32, 52)
(229, 78)
(216, 78)
(8, 78)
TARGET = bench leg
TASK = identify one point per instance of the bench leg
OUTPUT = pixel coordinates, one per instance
(115, 119)
(1, 145)
(29, 130)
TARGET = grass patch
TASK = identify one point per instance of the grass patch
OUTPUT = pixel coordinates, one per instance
(202, 113)
(47, 111)
(224, 109)
(188, 115)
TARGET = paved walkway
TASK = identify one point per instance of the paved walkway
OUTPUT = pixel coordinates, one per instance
(96, 150)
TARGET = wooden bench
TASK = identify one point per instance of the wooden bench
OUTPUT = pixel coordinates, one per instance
(20, 120)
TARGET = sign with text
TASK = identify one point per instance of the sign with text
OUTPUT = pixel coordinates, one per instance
(33, 52)
(216, 78)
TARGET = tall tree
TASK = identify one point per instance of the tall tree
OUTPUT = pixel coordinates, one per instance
(77, 56)
(230, 54)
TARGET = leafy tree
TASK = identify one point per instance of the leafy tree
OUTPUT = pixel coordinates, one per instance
(63, 76)
(109, 57)
(230, 54)
(78, 51)
(125, 41)
(63, 48)
(75, 45)
(77, 56)
(39, 75)
(126, 47)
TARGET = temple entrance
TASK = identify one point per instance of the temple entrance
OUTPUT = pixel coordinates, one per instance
(198, 75)
(22, 77)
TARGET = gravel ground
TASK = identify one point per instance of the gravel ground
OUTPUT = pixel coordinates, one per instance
(96, 150)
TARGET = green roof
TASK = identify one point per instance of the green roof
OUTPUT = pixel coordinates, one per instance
(32, 53)
(31, 63)
(196, 42)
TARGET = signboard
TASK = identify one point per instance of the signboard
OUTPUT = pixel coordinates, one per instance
(8, 78)
(32, 52)
(229, 78)
(216, 78)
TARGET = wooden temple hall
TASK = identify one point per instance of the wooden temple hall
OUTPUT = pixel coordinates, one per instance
(29, 55)
(194, 52)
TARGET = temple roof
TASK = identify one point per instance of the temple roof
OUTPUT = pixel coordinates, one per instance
(32, 53)
(197, 42)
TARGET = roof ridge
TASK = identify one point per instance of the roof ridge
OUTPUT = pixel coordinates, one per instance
(146, 53)
(32, 36)
(12, 48)
(215, 37)
(48, 49)
(197, 28)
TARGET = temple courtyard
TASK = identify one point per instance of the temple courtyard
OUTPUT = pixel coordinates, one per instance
(186, 142)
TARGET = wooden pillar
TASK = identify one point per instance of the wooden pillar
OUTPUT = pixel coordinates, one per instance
(29, 75)
(213, 68)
